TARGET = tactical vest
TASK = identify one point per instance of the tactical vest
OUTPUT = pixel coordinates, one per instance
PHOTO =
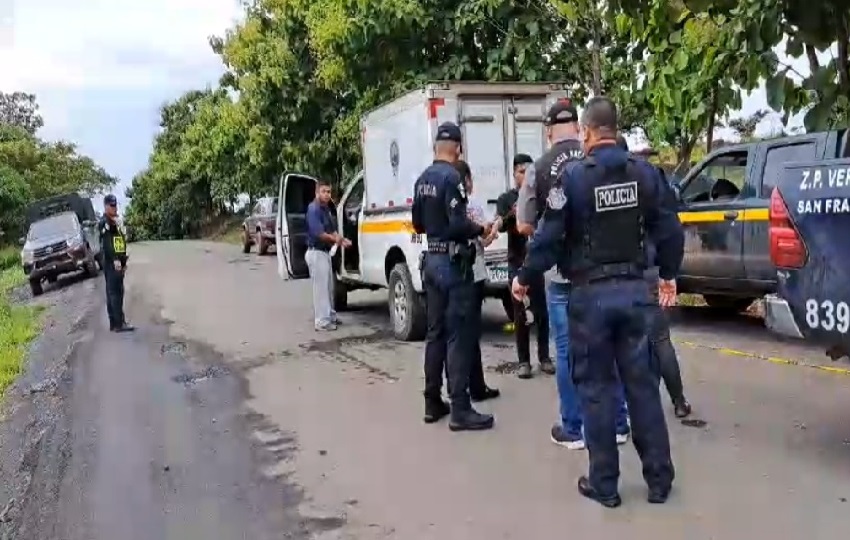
(607, 240)
(549, 168)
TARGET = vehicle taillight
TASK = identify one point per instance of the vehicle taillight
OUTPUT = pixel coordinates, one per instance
(787, 249)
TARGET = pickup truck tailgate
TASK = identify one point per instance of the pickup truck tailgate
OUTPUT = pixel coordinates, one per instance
(810, 246)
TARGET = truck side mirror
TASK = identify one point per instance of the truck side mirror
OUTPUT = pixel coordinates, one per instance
(22, 241)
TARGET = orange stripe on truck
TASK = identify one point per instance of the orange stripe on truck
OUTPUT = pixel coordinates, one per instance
(386, 227)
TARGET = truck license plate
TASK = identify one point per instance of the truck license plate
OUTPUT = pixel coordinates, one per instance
(497, 274)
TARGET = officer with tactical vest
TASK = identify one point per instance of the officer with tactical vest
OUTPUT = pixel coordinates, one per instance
(114, 256)
(440, 212)
(600, 214)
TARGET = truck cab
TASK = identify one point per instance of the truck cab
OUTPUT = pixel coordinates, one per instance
(724, 208)
(498, 120)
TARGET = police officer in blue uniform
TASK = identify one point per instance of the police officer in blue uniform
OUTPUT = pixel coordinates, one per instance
(439, 211)
(600, 214)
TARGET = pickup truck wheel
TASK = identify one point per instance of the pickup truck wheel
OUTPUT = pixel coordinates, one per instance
(340, 295)
(246, 241)
(262, 244)
(91, 266)
(407, 309)
(729, 304)
(35, 287)
(52, 279)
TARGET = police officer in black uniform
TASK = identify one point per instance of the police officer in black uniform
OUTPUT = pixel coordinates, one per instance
(659, 335)
(439, 211)
(113, 252)
(600, 214)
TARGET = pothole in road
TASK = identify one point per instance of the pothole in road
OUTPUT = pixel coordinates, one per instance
(694, 423)
(341, 349)
(211, 372)
(504, 368)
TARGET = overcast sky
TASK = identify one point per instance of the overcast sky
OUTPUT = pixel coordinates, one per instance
(102, 68)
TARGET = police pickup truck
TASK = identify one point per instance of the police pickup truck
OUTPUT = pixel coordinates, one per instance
(725, 202)
(810, 246)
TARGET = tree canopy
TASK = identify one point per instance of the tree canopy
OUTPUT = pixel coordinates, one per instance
(31, 168)
(299, 75)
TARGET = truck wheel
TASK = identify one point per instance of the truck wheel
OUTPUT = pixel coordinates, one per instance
(407, 308)
(340, 295)
(246, 241)
(728, 304)
(91, 266)
(35, 287)
(508, 305)
(262, 244)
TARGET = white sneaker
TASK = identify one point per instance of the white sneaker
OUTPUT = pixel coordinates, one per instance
(622, 438)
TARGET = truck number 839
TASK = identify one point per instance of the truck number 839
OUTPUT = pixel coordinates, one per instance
(828, 315)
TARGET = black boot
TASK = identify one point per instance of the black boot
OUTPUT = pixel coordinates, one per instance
(487, 393)
(468, 419)
(681, 407)
(590, 492)
(658, 495)
(435, 410)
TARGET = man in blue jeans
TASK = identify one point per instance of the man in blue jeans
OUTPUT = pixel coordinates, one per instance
(562, 133)
(568, 432)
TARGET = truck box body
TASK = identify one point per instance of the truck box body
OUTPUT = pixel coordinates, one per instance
(498, 120)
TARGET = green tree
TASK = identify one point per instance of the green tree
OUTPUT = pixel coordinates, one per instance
(20, 109)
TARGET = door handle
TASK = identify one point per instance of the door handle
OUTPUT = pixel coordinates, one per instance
(730, 215)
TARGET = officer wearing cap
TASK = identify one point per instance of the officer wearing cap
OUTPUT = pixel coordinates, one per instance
(599, 215)
(563, 132)
(440, 212)
(114, 257)
(659, 336)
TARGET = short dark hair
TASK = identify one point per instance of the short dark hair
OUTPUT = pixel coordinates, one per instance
(463, 169)
(322, 183)
(600, 114)
(522, 159)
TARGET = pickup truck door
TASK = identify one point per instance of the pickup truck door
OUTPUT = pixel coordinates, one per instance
(715, 199)
(296, 191)
(771, 160)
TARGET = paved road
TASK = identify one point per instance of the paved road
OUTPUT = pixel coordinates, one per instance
(227, 417)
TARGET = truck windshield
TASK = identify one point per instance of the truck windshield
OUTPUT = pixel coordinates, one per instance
(58, 225)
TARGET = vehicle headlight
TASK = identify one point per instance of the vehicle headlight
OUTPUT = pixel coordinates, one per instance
(27, 256)
(76, 242)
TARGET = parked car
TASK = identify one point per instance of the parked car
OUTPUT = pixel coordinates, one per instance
(259, 227)
(62, 238)
(724, 209)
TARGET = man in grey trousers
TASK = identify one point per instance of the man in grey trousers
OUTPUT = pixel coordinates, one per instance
(322, 238)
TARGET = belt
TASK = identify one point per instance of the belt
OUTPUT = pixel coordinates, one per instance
(435, 246)
(608, 271)
(317, 248)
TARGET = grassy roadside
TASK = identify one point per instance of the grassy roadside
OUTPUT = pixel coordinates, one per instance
(228, 230)
(18, 324)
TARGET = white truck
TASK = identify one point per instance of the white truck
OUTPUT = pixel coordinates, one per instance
(498, 121)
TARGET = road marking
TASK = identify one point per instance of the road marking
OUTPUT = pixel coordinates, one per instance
(772, 359)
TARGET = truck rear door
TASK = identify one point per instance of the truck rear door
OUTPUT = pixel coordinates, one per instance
(295, 193)
(773, 155)
(810, 247)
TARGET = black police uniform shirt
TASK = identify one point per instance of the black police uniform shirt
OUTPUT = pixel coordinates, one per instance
(570, 205)
(112, 241)
(549, 168)
(439, 205)
(505, 206)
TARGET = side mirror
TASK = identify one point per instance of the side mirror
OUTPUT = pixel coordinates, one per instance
(22, 241)
(88, 223)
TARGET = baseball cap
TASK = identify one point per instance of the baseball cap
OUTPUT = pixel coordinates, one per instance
(110, 200)
(449, 131)
(562, 112)
(522, 159)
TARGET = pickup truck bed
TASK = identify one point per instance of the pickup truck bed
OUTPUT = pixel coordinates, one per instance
(810, 244)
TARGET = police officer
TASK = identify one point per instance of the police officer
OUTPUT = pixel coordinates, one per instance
(600, 214)
(659, 335)
(113, 252)
(440, 212)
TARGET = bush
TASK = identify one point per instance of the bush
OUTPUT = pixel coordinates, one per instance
(18, 326)
(10, 257)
